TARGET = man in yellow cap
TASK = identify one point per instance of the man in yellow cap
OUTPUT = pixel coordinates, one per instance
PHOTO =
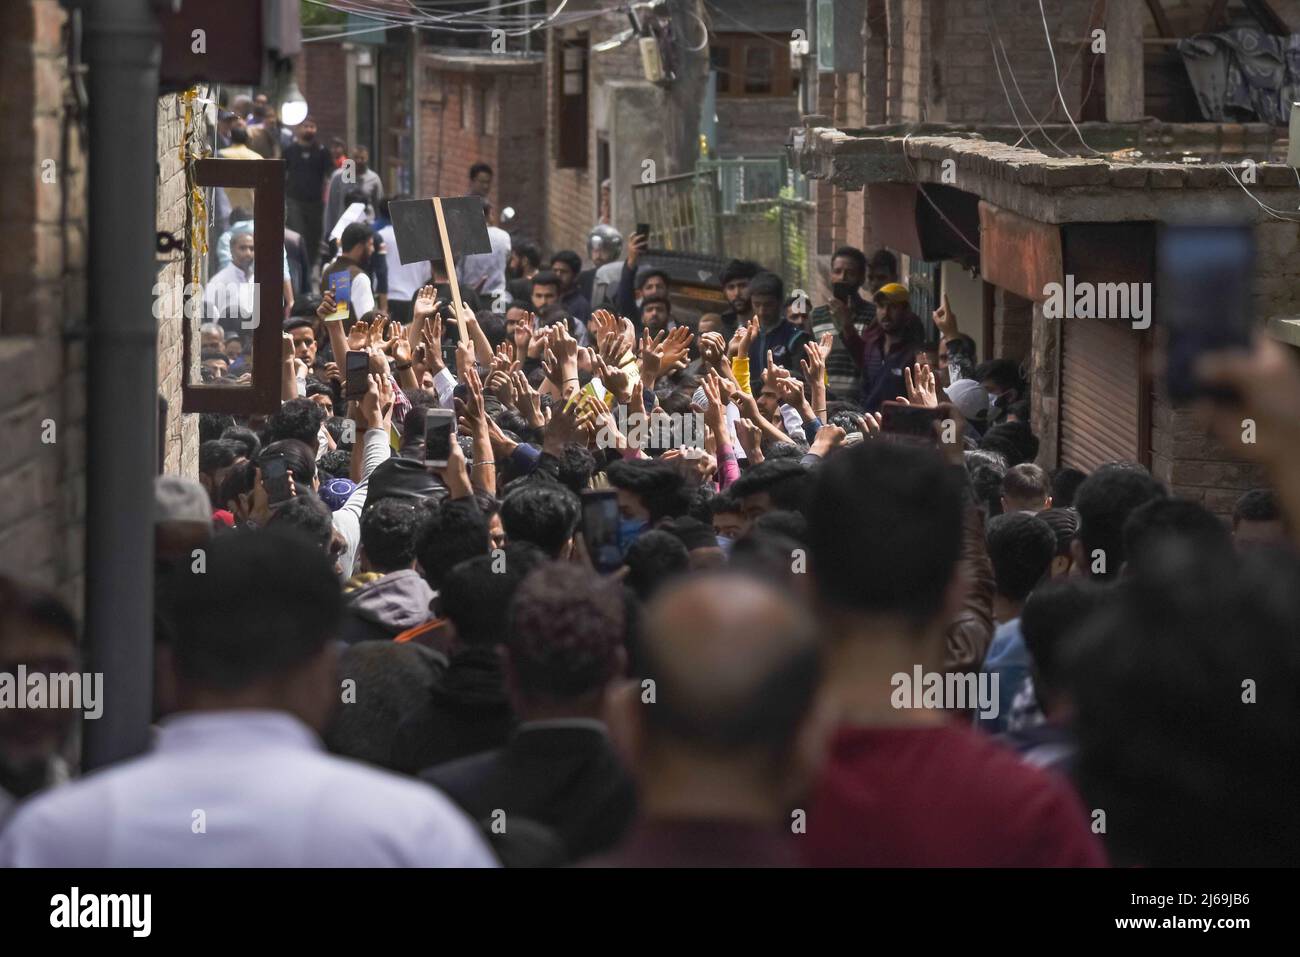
(886, 347)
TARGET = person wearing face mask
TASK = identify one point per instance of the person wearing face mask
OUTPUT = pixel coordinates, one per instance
(1002, 380)
(649, 493)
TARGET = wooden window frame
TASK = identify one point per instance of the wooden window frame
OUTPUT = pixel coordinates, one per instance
(736, 45)
(572, 122)
(266, 178)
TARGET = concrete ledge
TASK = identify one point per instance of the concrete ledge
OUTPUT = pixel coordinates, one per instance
(1285, 330)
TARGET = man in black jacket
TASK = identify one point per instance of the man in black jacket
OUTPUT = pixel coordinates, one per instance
(563, 648)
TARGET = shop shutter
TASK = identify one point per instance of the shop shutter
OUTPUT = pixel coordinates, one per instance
(1101, 385)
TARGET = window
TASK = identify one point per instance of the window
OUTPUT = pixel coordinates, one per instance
(571, 104)
(752, 65)
(466, 104)
(759, 66)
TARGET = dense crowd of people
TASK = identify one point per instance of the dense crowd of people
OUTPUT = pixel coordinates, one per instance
(364, 658)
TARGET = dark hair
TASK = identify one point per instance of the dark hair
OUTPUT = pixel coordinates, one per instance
(577, 466)
(530, 252)
(544, 513)
(739, 269)
(310, 516)
(1162, 519)
(767, 284)
(569, 258)
(659, 486)
(1051, 612)
(1026, 482)
(987, 468)
(654, 558)
(1021, 548)
(298, 457)
(388, 533)
(857, 255)
(289, 604)
(646, 273)
(1004, 373)
(245, 439)
(546, 278)
(238, 481)
(336, 463)
(1014, 439)
(893, 497)
(657, 297)
(1257, 505)
(393, 680)
(479, 167)
(1064, 523)
(296, 419)
(354, 234)
(217, 454)
(1104, 502)
(784, 522)
(238, 135)
(565, 630)
(213, 424)
(885, 260)
(1185, 687)
(784, 480)
(451, 532)
(476, 593)
(1065, 485)
(725, 503)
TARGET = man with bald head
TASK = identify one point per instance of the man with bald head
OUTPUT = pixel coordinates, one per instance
(719, 728)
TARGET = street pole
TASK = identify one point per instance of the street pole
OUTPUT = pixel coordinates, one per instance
(123, 53)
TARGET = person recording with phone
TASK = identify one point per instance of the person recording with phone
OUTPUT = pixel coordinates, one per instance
(846, 306)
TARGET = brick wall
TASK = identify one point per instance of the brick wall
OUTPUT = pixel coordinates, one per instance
(42, 307)
(321, 71)
(181, 434)
(572, 194)
(448, 149)
(1192, 464)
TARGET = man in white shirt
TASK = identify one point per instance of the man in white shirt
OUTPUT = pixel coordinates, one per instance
(485, 273)
(229, 295)
(356, 246)
(403, 281)
(237, 776)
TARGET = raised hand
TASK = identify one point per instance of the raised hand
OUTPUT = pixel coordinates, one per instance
(945, 320)
(425, 304)
(676, 348)
(359, 336)
(529, 400)
(921, 387)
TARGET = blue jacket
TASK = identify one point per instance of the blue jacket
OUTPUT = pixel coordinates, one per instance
(786, 342)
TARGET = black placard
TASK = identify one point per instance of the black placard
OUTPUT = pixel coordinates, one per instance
(416, 230)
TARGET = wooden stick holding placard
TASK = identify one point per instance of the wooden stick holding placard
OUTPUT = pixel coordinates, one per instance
(450, 265)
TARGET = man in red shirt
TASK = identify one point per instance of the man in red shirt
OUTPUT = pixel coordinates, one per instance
(907, 786)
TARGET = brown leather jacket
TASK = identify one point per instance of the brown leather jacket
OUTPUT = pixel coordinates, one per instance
(971, 632)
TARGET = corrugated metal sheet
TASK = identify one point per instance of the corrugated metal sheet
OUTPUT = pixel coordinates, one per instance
(1101, 385)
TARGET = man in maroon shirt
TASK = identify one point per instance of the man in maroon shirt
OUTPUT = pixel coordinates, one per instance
(909, 786)
(719, 727)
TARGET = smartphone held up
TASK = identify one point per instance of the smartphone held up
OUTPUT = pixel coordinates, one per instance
(1204, 275)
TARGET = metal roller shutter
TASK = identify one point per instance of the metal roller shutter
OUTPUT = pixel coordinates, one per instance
(1100, 393)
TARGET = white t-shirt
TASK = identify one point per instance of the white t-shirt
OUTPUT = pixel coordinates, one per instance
(403, 281)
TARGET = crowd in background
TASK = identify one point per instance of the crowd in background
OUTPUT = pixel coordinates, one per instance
(490, 690)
